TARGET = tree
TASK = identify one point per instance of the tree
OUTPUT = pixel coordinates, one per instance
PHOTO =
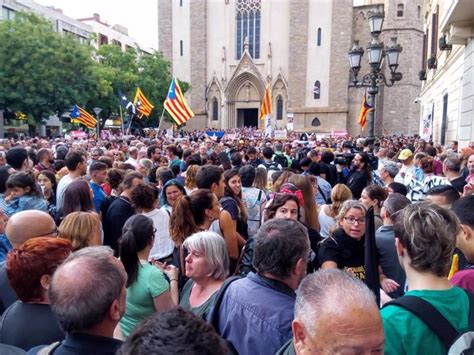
(42, 72)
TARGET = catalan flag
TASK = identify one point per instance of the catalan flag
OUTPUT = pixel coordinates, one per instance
(176, 105)
(364, 110)
(266, 108)
(143, 106)
(80, 115)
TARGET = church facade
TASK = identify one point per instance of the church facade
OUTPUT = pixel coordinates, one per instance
(230, 50)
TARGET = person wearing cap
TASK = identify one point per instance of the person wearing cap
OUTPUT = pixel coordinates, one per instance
(408, 169)
(387, 171)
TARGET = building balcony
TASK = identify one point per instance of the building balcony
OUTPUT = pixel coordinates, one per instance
(458, 21)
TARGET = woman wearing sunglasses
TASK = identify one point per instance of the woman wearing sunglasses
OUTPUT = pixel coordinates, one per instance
(344, 248)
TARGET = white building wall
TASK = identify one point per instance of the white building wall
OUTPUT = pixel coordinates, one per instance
(217, 26)
(447, 80)
(181, 32)
(276, 27)
(320, 14)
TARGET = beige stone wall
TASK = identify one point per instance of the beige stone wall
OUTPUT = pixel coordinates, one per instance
(198, 16)
(340, 45)
(165, 31)
(298, 51)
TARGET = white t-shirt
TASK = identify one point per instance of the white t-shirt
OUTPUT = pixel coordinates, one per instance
(163, 245)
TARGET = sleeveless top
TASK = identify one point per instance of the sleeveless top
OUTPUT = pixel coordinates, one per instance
(325, 222)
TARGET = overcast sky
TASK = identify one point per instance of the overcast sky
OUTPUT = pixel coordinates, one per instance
(139, 16)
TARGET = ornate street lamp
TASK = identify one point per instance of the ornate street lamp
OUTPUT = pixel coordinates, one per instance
(375, 78)
(97, 111)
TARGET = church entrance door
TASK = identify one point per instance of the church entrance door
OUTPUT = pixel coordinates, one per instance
(247, 117)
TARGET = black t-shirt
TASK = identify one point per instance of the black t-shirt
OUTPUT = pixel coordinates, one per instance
(7, 295)
(230, 205)
(459, 184)
(27, 325)
(346, 252)
(119, 211)
(357, 181)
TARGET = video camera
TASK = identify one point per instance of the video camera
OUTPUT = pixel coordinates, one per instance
(346, 160)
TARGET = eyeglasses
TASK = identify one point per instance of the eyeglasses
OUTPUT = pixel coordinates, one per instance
(53, 233)
(352, 220)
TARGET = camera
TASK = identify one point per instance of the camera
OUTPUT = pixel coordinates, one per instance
(344, 159)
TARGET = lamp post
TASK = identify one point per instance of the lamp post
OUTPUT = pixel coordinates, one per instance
(375, 78)
(97, 111)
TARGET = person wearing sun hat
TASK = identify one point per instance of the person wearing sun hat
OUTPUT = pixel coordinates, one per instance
(408, 170)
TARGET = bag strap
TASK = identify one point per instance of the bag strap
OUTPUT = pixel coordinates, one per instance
(426, 312)
(214, 311)
(49, 349)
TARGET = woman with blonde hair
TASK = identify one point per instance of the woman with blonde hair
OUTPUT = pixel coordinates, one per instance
(327, 213)
(82, 229)
(190, 180)
(344, 248)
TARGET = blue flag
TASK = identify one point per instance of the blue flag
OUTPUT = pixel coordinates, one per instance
(127, 104)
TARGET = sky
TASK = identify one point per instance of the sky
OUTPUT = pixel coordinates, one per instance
(139, 16)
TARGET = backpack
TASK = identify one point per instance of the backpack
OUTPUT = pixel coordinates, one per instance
(281, 159)
(454, 341)
(271, 168)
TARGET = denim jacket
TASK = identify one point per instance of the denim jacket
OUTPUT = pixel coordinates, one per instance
(24, 203)
(256, 314)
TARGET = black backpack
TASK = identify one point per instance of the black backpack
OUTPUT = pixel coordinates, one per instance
(454, 341)
(280, 159)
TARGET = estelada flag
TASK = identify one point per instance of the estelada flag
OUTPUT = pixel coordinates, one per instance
(364, 110)
(80, 115)
(176, 105)
(266, 108)
(143, 106)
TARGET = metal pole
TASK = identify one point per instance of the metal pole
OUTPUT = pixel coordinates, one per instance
(161, 119)
(121, 120)
(373, 91)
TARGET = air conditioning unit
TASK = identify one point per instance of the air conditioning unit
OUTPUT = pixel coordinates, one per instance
(422, 74)
(443, 45)
(432, 63)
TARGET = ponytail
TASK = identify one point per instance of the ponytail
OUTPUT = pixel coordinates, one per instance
(136, 235)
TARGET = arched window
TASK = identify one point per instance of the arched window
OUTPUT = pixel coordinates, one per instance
(316, 122)
(317, 90)
(215, 110)
(318, 40)
(248, 27)
(181, 48)
(400, 10)
(279, 108)
(419, 12)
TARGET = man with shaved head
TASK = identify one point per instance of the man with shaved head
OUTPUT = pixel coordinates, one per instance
(21, 227)
(87, 294)
(335, 313)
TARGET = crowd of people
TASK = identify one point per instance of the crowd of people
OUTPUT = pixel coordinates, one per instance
(241, 244)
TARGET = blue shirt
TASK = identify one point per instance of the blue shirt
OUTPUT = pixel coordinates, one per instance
(256, 314)
(99, 195)
(5, 247)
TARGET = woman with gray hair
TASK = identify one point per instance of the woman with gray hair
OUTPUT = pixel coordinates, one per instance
(207, 266)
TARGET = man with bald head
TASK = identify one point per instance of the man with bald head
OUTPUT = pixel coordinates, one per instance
(335, 313)
(87, 294)
(21, 227)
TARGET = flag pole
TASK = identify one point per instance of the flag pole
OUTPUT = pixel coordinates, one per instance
(130, 125)
(121, 119)
(161, 119)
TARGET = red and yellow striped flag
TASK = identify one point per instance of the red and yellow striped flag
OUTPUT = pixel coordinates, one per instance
(364, 110)
(266, 108)
(176, 105)
(143, 106)
(79, 115)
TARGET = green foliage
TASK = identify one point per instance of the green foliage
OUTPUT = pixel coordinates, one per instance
(42, 72)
